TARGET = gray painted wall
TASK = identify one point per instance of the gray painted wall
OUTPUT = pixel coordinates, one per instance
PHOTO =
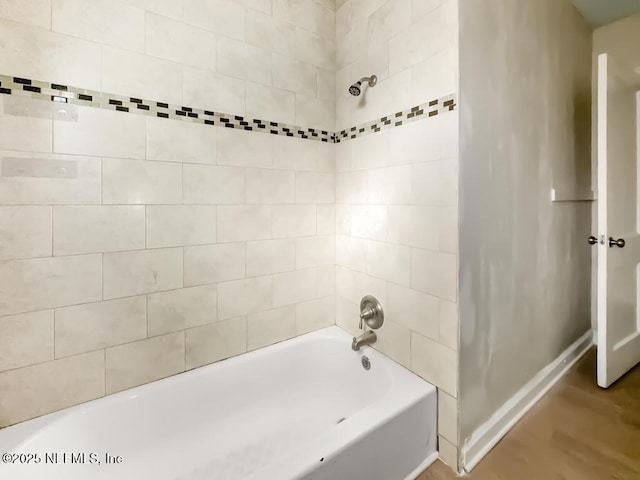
(525, 75)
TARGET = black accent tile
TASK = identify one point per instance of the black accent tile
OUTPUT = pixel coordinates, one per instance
(376, 130)
(122, 109)
(6, 91)
(22, 81)
(433, 113)
(162, 115)
(289, 134)
(57, 86)
(273, 124)
(324, 140)
(237, 117)
(187, 109)
(305, 136)
(353, 136)
(192, 115)
(452, 107)
(140, 106)
(135, 100)
(353, 129)
(31, 88)
(229, 125)
(415, 109)
(388, 122)
(225, 120)
(114, 102)
(208, 112)
(82, 96)
(399, 114)
(248, 128)
(433, 102)
(398, 123)
(311, 130)
(274, 132)
(411, 115)
(285, 129)
(383, 119)
(262, 126)
(162, 105)
(361, 130)
(209, 122)
(420, 112)
(448, 103)
(244, 124)
(324, 132)
(314, 134)
(181, 113)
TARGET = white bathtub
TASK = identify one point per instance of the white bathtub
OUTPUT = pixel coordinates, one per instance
(303, 409)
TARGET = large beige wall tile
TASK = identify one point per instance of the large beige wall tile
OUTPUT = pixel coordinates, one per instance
(177, 141)
(295, 287)
(315, 314)
(181, 309)
(276, 104)
(214, 263)
(241, 60)
(389, 262)
(130, 73)
(223, 17)
(449, 324)
(173, 40)
(94, 133)
(142, 362)
(238, 223)
(448, 417)
(37, 12)
(213, 91)
(26, 339)
(315, 187)
(41, 179)
(60, 281)
(244, 149)
(213, 185)
(242, 297)
(266, 328)
(168, 8)
(218, 341)
(25, 232)
(434, 273)
(25, 133)
(414, 310)
(448, 452)
(178, 225)
(435, 363)
(315, 251)
(145, 271)
(41, 54)
(138, 182)
(270, 256)
(270, 186)
(395, 342)
(100, 21)
(94, 229)
(40, 389)
(294, 220)
(93, 326)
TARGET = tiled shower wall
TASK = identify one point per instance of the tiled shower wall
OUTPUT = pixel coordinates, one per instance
(396, 190)
(133, 247)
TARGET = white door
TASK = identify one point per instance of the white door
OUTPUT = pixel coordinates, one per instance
(618, 221)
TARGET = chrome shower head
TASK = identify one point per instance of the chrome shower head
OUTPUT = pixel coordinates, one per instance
(355, 89)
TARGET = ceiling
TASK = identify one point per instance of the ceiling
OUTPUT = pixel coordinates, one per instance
(602, 12)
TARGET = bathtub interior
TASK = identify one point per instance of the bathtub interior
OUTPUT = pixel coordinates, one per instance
(235, 418)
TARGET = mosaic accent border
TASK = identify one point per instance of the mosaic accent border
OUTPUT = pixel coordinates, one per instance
(55, 92)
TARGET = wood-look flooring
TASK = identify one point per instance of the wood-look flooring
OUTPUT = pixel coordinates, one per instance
(575, 432)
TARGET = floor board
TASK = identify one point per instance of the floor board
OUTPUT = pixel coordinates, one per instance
(577, 431)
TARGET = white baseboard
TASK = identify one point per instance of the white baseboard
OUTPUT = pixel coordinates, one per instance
(489, 433)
